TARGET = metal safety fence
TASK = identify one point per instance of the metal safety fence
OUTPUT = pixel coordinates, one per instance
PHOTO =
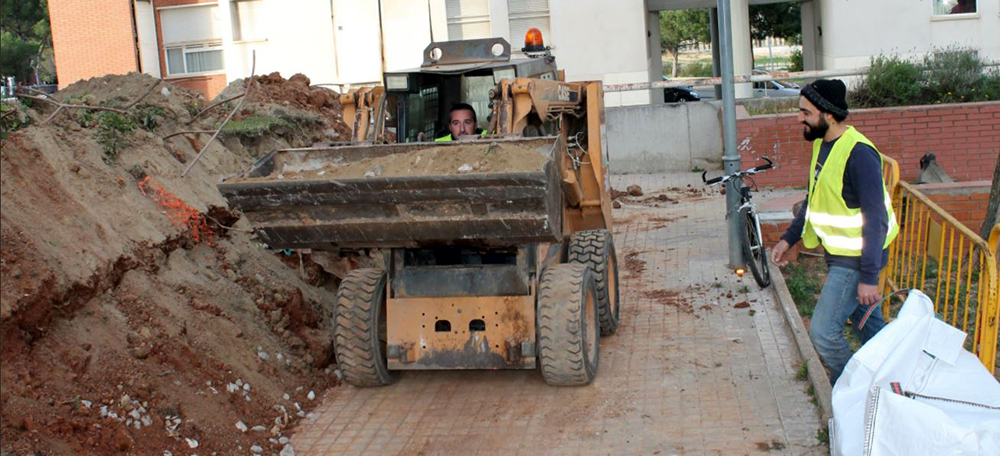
(950, 263)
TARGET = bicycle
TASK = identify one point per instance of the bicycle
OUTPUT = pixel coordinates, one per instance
(753, 247)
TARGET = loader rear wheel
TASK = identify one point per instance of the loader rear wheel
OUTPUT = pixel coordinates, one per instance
(568, 328)
(359, 333)
(596, 249)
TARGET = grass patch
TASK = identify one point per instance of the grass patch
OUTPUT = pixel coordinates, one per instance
(811, 391)
(823, 435)
(802, 373)
(257, 125)
(805, 280)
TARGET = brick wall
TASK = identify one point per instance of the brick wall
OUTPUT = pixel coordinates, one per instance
(211, 86)
(91, 38)
(966, 201)
(964, 137)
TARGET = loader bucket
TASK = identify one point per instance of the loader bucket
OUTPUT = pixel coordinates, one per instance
(499, 192)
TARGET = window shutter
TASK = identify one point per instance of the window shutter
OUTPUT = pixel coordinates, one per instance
(468, 19)
(195, 23)
(525, 14)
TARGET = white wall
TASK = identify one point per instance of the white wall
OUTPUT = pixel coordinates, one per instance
(406, 28)
(667, 137)
(854, 31)
(298, 38)
(145, 26)
(600, 40)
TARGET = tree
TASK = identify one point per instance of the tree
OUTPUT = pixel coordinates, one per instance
(25, 37)
(993, 204)
(680, 28)
(778, 20)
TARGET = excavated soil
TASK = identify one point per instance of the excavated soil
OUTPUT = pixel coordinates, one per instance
(433, 161)
(138, 314)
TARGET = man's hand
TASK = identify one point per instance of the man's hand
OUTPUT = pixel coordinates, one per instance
(779, 251)
(868, 294)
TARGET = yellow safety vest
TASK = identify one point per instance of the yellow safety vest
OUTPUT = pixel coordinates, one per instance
(828, 219)
(449, 138)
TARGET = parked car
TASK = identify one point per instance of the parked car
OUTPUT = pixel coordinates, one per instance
(774, 88)
(679, 94)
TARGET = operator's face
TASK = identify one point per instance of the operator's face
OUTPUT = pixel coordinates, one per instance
(814, 121)
(461, 123)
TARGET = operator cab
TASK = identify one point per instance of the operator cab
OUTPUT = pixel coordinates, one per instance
(418, 101)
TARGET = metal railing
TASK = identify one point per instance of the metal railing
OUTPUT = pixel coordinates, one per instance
(951, 264)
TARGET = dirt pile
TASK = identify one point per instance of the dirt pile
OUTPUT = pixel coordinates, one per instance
(138, 315)
(275, 92)
(430, 161)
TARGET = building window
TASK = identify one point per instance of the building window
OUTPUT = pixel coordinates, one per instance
(192, 39)
(525, 14)
(468, 19)
(248, 20)
(194, 58)
(946, 7)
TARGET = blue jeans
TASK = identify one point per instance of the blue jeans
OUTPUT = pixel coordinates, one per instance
(837, 302)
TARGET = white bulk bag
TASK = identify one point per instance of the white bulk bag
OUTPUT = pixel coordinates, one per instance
(913, 390)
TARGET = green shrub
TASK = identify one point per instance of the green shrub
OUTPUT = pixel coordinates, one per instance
(990, 86)
(112, 127)
(795, 63)
(953, 75)
(11, 119)
(891, 81)
(696, 70)
(146, 116)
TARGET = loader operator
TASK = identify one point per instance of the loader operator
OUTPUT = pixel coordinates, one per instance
(848, 211)
(461, 122)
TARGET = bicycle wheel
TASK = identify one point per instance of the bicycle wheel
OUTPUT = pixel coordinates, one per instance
(753, 247)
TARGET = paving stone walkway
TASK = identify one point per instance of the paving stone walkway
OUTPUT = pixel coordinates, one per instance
(702, 364)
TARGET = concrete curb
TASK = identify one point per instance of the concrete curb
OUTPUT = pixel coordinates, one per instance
(817, 373)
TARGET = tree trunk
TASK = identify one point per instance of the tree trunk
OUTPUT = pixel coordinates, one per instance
(673, 72)
(993, 204)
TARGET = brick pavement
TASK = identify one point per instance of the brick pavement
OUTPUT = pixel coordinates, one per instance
(687, 373)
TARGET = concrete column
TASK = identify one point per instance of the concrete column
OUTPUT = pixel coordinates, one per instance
(809, 36)
(742, 47)
(655, 55)
(713, 25)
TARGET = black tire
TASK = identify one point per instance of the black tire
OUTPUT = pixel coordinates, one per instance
(359, 333)
(753, 248)
(596, 249)
(568, 328)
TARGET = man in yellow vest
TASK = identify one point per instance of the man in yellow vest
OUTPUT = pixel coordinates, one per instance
(461, 122)
(848, 212)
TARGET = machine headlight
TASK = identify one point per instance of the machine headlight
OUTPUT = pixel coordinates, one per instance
(397, 82)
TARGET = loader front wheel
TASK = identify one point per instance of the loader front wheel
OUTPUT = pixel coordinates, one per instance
(568, 328)
(596, 249)
(359, 333)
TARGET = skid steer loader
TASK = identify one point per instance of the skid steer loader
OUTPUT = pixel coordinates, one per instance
(497, 251)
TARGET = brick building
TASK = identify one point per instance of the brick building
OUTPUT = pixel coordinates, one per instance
(92, 38)
(178, 40)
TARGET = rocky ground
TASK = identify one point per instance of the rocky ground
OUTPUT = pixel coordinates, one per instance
(139, 315)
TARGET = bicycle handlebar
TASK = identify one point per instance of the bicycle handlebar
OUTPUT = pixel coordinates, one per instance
(769, 165)
(754, 170)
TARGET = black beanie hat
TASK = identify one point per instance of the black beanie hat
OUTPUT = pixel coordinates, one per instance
(829, 95)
